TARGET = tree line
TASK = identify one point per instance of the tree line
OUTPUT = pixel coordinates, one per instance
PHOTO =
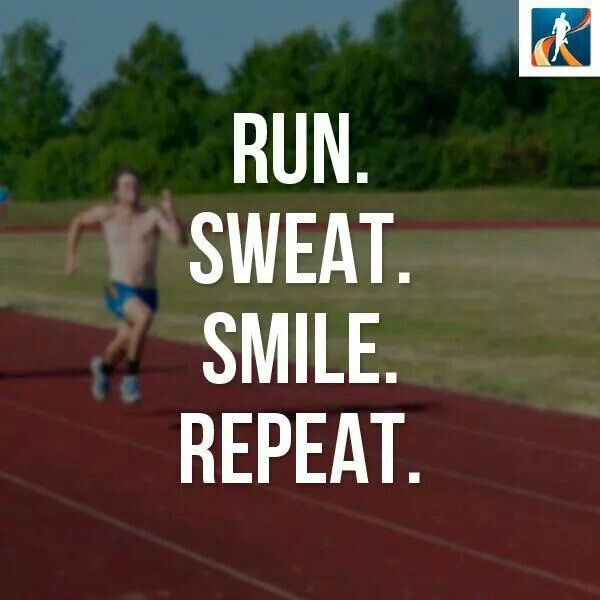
(425, 112)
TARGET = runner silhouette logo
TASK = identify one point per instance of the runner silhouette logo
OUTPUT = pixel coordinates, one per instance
(561, 37)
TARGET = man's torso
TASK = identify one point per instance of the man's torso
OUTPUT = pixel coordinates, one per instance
(132, 241)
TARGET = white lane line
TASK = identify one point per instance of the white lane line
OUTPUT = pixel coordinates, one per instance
(490, 435)
(495, 485)
(451, 474)
(147, 536)
(434, 540)
(444, 543)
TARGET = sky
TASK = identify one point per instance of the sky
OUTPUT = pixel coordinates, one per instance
(216, 33)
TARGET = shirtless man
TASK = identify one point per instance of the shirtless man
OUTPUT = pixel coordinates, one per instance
(561, 29)
(132, 234)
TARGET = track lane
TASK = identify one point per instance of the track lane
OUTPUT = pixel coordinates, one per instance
(74, 555)
(266, 534)
(61, 390)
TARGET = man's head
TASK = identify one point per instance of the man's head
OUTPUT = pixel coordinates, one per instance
(127, 186)
(562, 15)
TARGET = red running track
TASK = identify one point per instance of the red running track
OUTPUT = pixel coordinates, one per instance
(90, 505)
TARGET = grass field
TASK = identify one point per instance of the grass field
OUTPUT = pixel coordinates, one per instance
(510, 314)
(460, 205)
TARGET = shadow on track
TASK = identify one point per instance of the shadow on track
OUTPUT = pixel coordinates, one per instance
(74, 372)
(291, 413)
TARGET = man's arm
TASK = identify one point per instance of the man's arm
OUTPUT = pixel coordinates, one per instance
(169, 223)
(555, 26)
(88, 218)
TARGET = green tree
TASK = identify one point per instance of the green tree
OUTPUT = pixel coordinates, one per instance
(482, 108)
(528, 95)
(154, 96)
(156, 167)
(362, 79)
(34, 96)
(428, 39)
(277, 77)
(573, 129)
(387, 111)
(59, 170)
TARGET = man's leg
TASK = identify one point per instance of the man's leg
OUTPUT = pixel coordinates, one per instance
(139, 317)
(102, 367)
(117, 348)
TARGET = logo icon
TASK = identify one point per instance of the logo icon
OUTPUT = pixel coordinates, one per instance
(561, 37)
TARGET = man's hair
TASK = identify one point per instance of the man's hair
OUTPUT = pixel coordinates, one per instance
(114, 181)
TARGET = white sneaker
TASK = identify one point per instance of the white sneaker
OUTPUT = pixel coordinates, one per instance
(130, 389)
(100, 381)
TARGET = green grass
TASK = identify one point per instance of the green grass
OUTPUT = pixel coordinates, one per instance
(472, 205)
(510, 314)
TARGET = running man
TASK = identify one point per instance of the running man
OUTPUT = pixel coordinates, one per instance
(561, 29)
(132, 235)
